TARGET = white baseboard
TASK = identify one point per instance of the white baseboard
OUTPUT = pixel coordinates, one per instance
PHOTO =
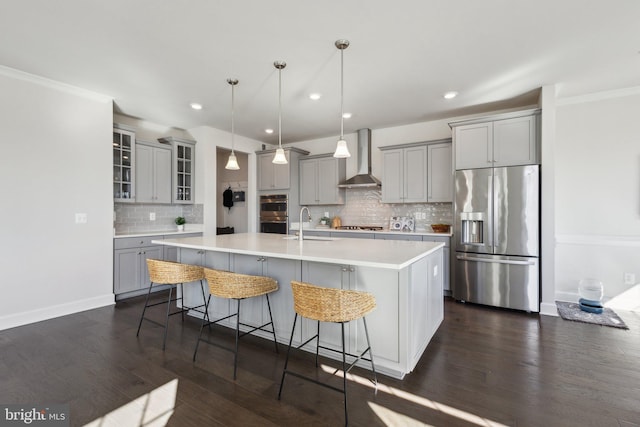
(26, 317)
(548, 309)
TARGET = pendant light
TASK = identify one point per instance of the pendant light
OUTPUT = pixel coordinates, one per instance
(341, 149)
(280, 158)
(232, 163)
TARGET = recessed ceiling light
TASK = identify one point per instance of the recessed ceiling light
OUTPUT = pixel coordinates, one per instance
(450, 95)
(346, 115)
(196, 106)
(315, 96)
(268, 130)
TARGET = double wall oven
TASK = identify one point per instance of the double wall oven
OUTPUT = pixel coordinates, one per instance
(274, 213)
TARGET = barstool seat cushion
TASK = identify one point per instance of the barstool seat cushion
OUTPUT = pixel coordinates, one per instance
(168, 272)
(330, 304)
(226, 284)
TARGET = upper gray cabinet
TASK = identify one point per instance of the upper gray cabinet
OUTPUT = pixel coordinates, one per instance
(417, 173)
(124, 143)
(272, 176)
(319, 179)
(153, 172)
(503, 140)
(440, 173)
(277, 177)
(183, 169)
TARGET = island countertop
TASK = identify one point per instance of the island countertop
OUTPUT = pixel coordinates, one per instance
(388, 254)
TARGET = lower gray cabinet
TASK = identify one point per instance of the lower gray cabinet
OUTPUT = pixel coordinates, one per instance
(254, 310)
(409, 237)
(130, 254)
(130, 271)
(446, 264)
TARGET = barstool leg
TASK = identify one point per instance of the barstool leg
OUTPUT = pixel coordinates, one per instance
(273, 326)
(146, 302)
(373, 367)
(344, 377)
(286, 361)
(206, 308)
(317, 342)
(206, 303)
(181, 300)
(235, 355)
(166, 322)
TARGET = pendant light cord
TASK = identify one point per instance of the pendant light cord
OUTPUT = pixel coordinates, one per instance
(279, 107)
(233, 83)
(341, 93)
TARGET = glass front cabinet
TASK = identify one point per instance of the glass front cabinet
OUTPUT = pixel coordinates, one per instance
(183, 168)
(123, 165)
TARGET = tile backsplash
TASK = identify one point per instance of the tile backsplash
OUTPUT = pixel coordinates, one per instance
(363, 206)
(133, 218)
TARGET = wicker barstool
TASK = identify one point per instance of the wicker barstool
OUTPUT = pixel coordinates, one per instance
(225, 284)
(174, 274)
(330, 305)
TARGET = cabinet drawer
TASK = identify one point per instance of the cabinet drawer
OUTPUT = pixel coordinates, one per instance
(135, 242)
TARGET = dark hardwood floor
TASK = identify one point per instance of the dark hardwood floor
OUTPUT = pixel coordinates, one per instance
(484, 367)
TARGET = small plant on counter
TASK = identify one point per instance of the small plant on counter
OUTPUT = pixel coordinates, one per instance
(324, 220)
(180, 220)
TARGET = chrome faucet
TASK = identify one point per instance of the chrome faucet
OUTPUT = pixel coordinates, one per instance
(301, 227)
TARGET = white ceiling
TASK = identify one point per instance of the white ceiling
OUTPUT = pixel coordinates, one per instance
(156, 57)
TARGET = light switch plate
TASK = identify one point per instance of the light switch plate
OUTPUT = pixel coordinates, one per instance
(152, 216)
(81, 218)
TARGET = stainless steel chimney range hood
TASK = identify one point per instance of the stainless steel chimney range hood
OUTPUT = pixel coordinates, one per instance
(364, 178)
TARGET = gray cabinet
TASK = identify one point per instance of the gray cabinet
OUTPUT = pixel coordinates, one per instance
(406, 237)
(404, 175)
(272, 176)
(130, 262)
(219, 307)
(503, 140)
(123, 146)
(383, 322)
(417, 173)
(254, 310)
(130, 274)
(183, 169)
(319, 179)
(153, 172)
(278, 177)
(446, 262)
(439, 171)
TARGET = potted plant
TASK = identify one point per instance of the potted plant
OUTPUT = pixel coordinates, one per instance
(180, 221)
(324, 220)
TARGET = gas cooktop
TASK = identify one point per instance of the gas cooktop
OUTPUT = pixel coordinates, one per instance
(360, 227)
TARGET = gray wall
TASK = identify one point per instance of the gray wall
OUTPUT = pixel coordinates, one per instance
(55, 162)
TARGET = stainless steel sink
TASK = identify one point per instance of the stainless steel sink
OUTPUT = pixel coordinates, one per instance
(330, 239)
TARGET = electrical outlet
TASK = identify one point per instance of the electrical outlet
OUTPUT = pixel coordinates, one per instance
(81, 218)
(152, 216)
(629, 279)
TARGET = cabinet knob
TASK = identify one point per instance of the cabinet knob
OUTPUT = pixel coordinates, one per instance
(344, 268)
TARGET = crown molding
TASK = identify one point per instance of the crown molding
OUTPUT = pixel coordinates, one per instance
(53, 84)
(599, 96)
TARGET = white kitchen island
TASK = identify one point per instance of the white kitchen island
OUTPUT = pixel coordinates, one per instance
(404, 276)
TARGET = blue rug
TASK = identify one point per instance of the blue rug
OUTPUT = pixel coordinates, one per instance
(571, 311)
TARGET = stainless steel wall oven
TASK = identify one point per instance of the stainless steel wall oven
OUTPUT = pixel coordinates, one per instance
(274, 214)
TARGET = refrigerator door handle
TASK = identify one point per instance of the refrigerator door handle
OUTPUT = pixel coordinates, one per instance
(490, 229)
(495, 261)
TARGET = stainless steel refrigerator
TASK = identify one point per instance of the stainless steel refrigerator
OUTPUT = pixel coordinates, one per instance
(497, 235)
